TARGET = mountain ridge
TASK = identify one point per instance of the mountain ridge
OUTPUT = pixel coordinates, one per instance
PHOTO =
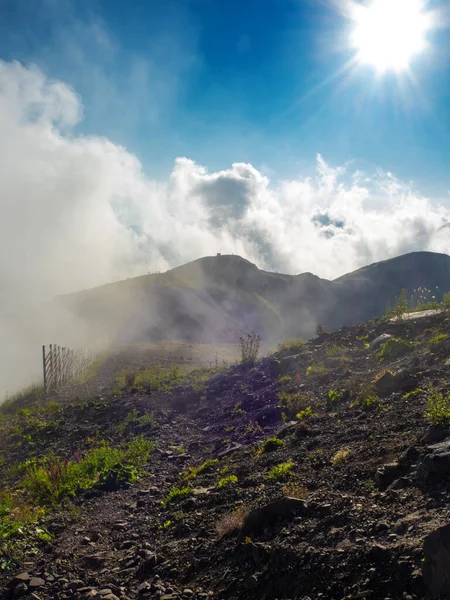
(215, 297)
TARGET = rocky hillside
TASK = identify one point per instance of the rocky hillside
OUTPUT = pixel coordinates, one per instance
(214, 298)
(320, 472)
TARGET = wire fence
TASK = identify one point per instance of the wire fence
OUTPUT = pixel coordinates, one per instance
(61, 364)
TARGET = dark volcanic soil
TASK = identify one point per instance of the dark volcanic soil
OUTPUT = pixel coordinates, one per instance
(366, 483)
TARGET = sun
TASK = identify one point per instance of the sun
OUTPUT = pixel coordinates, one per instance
(389, 33)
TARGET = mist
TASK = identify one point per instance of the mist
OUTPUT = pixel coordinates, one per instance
(78, 211)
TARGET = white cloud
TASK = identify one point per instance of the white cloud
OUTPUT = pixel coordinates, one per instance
(77, 211)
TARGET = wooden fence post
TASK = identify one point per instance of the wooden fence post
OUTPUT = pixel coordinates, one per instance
(44, 368)
(50, 365)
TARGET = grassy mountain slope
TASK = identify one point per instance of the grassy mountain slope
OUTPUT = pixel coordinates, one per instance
(214, 298)
(319, 472)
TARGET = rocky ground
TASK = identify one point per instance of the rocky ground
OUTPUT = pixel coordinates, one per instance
(351, 500)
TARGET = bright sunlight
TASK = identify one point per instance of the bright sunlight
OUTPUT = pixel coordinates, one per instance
(389, 33)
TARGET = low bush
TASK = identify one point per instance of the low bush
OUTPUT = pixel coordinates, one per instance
(175, 495)
(281, 471)
(306, 414)
(438, 408)
(334, 397)
(318, 370)
(250, 344)
(341, 456)
(147, 419)
(19, 532)
(293, 402)
(394, 348)
(295, 490)
(206, 467)
(226, 481)
(291, 346)
(437, 339)
(334, 350)
(52, 480)
(270, 444)
(231, 522)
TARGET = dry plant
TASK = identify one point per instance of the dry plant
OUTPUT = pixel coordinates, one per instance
(231, 522)
(341, 456)
(295, 490)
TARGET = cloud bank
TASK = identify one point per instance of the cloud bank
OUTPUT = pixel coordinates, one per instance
(78, 211)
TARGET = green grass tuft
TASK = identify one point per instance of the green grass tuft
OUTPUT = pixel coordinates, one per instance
(226, 481)
(175, 495)
(281, 471)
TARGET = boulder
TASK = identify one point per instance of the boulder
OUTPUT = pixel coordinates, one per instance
(401, 381)
(268, 415)
(409, 456)
(435, 433)
(290, 364)
(229, 450)
(436, 568)
(287, 429)
(388, 473)
(376, 343)
(435, 465)
(271, 366)
(282, 509)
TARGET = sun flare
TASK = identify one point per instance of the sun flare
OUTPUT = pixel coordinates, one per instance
(389, 33)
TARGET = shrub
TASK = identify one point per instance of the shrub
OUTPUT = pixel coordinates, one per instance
(238, 410)
(52, 480)
(334, 396)
(306, 414)
(270, 444)
(334, 350)
(281, 471)
(295, 490)
(253, 429)
(424, 299)
(320, 330)
(130, 378)
(318, 370)
(341, 456)
(366, 401)
(26, 397)
(50, 483)
(147, 419)
(231, 522)
(207, 466)
(51, 407)
(293, 402)
(401, 305)
(394, 348)
(291, 346)
(438, 408)
(437, 339)
(175, 495)
(154, 379)
(19, 532)
(412, 394)
(364, 394)
(250, 344)
(285, 380)
(226, 481)
(117, 476)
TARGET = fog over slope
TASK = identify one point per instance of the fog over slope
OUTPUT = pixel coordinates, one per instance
(77, 211)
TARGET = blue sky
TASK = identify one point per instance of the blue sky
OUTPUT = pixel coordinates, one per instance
(224, 82)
